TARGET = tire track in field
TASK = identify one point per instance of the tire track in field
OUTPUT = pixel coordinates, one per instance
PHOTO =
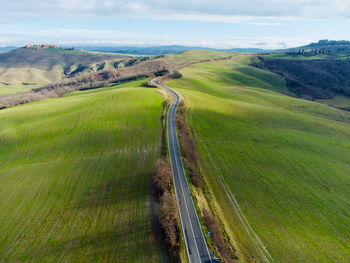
(264, 253)
(266, 256)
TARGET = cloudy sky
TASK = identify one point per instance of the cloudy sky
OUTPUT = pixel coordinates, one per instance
(212, 23)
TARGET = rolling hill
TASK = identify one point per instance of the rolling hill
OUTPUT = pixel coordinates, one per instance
(276, 167)
(75, 174)
(161, 50)
(25, 68)
(76, 170)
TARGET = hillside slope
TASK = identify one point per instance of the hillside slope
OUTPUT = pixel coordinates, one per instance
(75, 174)
(313, 78)
(24, 68)
(286, 162)
(47, 60)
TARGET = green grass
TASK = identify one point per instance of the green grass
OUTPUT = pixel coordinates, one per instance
(74, 177)
(196, 55)
(12, 78)
(285, 160)
(339, 101)
(11, 89)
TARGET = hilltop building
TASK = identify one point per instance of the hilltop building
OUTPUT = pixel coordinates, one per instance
(44, 46)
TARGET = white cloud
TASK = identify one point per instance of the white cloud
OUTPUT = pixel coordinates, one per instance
(17, 35)
(24, 21)
(70, 34)
(260, 42)
(202, 10)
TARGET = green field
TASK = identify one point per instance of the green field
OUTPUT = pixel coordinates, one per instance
(196, 56)
(286, 161)
(12, 79)
(74, 177)
(339, 101)
(12, 89)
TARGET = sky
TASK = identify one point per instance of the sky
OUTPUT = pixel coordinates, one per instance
(267, 24)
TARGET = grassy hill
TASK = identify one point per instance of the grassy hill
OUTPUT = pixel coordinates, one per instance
(194, 56)
(160, 50)
(74, 177)
(75, 173)
(48, 59)
(277, 167)
(26, 66)
(6, 89)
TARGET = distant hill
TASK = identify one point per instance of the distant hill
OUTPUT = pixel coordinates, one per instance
(328, 44)
(152, 50)
(8, 48)
(25, 68)
(47, 59)
(160, 50)
(327, 47)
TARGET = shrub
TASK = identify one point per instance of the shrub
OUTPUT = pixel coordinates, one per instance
(213, 225)
(176, 75)
(188, 147)
(168, 215)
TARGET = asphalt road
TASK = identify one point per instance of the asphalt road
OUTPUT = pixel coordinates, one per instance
(196, 246)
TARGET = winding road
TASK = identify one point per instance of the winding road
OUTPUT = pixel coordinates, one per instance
(196, 246)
